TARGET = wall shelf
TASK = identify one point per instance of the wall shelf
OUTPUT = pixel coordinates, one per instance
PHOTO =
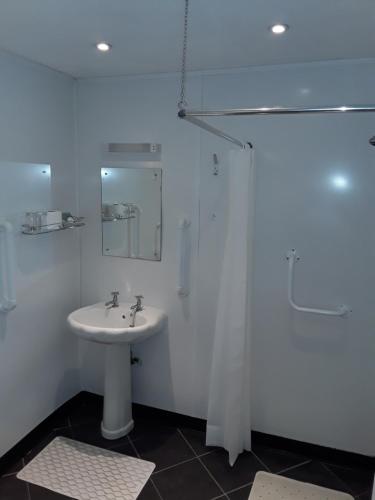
(117, 219)
(31, 231)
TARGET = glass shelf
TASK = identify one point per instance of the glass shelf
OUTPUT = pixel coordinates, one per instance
(31, 231)
(117, 219)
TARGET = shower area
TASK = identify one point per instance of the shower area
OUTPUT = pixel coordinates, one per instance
(311, 361)
(287, 245)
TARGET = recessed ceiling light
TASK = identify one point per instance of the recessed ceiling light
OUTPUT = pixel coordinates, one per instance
(279, 29)
(103, 46)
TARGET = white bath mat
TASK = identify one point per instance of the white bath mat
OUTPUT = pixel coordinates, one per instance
(86, 472)
(271, 487)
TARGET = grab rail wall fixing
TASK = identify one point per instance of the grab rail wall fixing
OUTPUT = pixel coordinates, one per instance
(7, 265)
(292, 257)
(183, 278)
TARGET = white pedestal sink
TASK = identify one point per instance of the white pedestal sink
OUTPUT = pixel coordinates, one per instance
(111, 326)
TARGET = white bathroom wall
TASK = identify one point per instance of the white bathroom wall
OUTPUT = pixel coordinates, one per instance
(38, 355)
(313, 377)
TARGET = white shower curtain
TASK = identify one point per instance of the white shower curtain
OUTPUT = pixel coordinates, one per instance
(228, 422)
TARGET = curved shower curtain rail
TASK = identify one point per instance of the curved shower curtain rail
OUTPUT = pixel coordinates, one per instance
(212, 130)
(194, 116)
(278, 110)
(341, 311)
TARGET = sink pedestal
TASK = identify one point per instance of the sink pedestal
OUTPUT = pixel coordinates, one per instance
(117, 414)
(113, 328)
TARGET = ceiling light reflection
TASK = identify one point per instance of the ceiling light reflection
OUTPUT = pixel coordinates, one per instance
(340, 182)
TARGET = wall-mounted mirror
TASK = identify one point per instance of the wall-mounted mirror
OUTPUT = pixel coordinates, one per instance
(131, 212)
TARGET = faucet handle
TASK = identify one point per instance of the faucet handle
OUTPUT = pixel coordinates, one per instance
(114, 301)
(138, 306)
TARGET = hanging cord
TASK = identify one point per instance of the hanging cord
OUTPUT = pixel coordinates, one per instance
(182, 104)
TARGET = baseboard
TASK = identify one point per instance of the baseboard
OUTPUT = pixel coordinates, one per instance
(179, 420)
(168, 417)
(321, 453)
(318, 452)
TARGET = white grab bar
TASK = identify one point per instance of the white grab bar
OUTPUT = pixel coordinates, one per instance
(7, 257)
(134, 225)
(183, 283)
(156, 240)
(292, 258)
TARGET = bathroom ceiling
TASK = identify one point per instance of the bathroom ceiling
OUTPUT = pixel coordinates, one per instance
(146, 34)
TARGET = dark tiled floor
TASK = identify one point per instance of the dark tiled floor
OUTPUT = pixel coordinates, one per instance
(316, 473)
(277, 460)
(185, 468)
(231, 478)
(12, 489)
(241, 494)
(357, 480)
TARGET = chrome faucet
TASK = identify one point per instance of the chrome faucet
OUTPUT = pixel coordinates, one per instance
(114, 301)
(136, 308)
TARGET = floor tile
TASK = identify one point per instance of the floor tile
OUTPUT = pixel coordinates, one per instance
(90, 433)
(38, 493)
(243, 471)
(59, 421)
(90, 410)
(277, 460)
(125, 449)
(145, 428)
(186, 482)
(148, 493)
(365, 496)
(164, 449)
(316, 473)
(197, 440)
(358, 480)
(12, 488)
(241, 494)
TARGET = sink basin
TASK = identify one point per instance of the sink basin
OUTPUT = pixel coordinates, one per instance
(112, 326)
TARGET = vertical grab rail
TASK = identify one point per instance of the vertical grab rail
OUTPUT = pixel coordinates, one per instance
(156, 240)
(134, 223)
(292, 258)
(7, 256)
(183, 278)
